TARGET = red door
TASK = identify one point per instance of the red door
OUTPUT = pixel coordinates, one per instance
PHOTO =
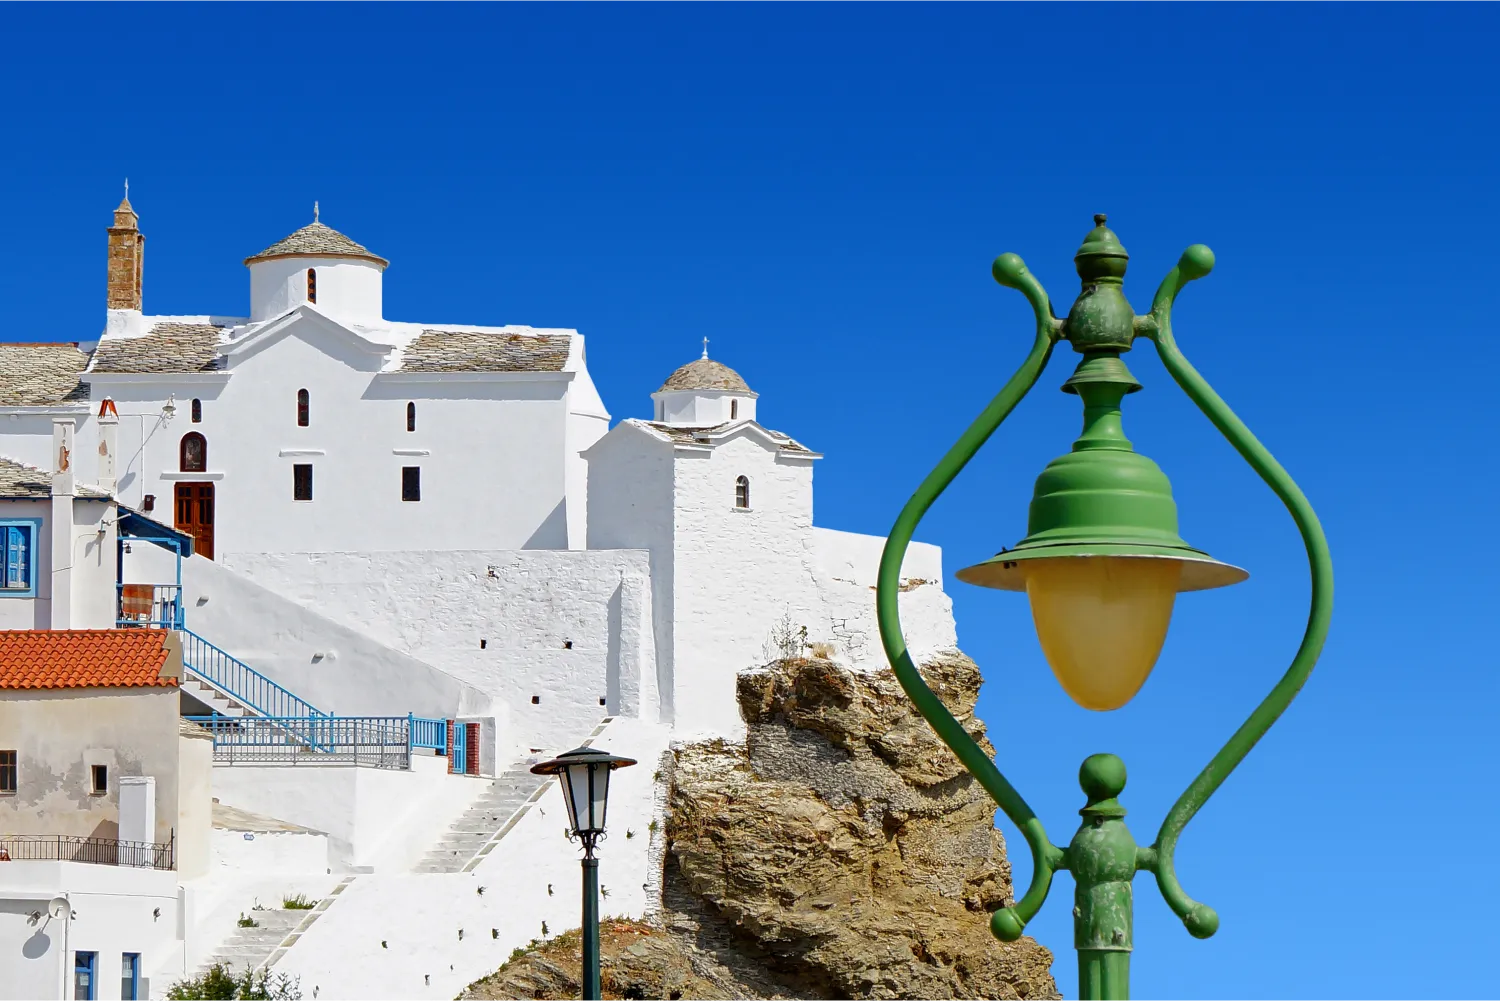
(195, 515)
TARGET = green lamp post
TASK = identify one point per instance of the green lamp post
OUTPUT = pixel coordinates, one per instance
(1102, 565)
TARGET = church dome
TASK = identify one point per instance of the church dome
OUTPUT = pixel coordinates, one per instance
(317, 240)
(705, 374)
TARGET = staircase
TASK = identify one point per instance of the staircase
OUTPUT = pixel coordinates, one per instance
(474, 835)
(231, 687)
(277, 931)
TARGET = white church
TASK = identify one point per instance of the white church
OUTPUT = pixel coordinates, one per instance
(346, 516)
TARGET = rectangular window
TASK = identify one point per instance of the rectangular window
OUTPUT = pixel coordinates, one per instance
(100, 779)
(302, 481)
(130, 976)
(411, 483)
(18, 550)
(83, 975)
(8, 777)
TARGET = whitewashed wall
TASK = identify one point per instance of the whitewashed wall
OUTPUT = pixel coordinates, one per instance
(337, 668)
(91, 564)
(117, 909)
(349, 290)
(531, 878)
(567, 628)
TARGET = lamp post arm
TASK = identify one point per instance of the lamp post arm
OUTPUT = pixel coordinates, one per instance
(1197, 261)
(1009, 922)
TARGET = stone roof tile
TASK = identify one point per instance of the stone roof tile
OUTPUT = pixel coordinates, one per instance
(472, 351)
(317, 240)
(18, 481)
(36, 375)
(169, 348)
(705, 373)
(701, 435)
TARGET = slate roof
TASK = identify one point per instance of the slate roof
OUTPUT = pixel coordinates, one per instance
(19, 481)
(471, 351)
(169, 348)
(700, 435)
(705, 373)
(83, 658)
(317, 240)
(35, 375)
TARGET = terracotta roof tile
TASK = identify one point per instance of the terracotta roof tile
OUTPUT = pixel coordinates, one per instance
(84, 658)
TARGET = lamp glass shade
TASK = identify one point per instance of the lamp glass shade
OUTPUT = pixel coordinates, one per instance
(1102, 621)
(586, 785)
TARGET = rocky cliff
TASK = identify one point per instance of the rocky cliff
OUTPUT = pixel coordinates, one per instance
(840, 852)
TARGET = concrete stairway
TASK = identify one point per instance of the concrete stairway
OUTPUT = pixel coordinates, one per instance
(507, 798)
(216, 700)
(475, 834)
(277, 931)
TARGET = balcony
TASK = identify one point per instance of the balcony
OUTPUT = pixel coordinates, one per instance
(151, 606)
(96, 851)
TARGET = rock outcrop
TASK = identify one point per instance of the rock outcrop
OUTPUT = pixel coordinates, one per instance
(840, 852)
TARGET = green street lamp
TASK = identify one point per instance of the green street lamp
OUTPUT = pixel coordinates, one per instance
(584, 775)
(1102, 565)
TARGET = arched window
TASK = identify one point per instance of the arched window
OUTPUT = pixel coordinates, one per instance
(411, 417)
(312, 285)
(302, 408)
(197, 411)
(192, 453)
(742, 492)
(734, 409)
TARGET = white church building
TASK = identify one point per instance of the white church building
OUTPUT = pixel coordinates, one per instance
(389, 518)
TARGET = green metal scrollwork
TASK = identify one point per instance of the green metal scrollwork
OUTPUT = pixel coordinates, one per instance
(1197, 261)
(1103, 856)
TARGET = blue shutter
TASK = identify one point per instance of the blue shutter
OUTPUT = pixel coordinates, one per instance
(16, 540)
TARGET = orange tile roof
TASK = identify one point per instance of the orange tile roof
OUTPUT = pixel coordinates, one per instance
(83, 658)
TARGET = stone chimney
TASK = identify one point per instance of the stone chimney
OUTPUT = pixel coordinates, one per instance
(64, 489)
(109, 445)
(127, 258)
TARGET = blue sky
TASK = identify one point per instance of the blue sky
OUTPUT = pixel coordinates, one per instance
(820, 190)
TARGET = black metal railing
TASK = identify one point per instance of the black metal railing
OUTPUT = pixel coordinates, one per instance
(96, 851)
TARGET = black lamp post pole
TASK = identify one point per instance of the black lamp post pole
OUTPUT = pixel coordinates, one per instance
(590, 929)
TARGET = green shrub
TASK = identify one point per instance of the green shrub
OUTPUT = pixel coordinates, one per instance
(298, 903)
(221, 982)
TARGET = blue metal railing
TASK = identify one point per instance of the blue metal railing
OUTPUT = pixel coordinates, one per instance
(242, 682)
(428, 733)
(156, 606)
(377, 741)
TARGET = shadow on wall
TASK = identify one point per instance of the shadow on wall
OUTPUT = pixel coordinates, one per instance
(552, 533)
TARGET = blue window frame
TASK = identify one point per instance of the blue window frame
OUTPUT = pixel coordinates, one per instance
(130, 976)
(83, 975)
(18, 557)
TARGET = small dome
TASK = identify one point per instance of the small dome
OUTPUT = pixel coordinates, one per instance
(317, 240)
(705, 373)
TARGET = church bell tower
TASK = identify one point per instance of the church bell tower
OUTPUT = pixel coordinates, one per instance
(127, 258)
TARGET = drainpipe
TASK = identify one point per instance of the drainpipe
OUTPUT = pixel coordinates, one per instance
(64, 489)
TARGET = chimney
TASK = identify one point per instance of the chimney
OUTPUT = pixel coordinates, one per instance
(109, 443)
(64, 488)
(127, 258)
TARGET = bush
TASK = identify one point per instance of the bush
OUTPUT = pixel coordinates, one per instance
(298, 903)
(221, 982)
(245, 922)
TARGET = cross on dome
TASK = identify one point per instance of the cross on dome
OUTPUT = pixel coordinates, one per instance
(705, 349)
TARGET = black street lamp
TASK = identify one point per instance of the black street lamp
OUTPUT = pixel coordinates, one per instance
(584, 775)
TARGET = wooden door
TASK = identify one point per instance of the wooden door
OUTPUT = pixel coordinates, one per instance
(195, 515)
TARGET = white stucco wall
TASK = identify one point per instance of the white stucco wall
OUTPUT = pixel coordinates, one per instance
(115, 910)
(195, 764)
(266, 853)
(377, 817)
(60, 733)
(566, 628)
(90, 566)
(702, 408)
(356, 675)
(349, 290)
(531, 878)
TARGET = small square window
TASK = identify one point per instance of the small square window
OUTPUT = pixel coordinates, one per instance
(411, 483)
(100, 774)
(302, 481)
(8, 777)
